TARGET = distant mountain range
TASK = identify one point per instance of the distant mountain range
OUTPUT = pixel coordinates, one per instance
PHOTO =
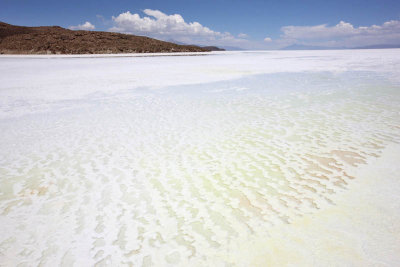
(380, 46)
(232, 48)
(57, 40)
(310, 47)
(211, 48)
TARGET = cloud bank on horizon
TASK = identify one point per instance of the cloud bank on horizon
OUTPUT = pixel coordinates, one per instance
(345, 34)
(157, 24)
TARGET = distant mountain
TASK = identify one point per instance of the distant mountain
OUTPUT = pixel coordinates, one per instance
(57, 40)
(380, 46)
(213, 48)
(310, 47)
(232, 48)
(210, 48)
(307, 47)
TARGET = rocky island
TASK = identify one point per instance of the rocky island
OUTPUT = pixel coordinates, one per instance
(58, 40)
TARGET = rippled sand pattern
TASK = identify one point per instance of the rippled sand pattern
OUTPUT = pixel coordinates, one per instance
(178, 175)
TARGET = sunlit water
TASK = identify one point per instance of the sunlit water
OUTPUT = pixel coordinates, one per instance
(178, 174)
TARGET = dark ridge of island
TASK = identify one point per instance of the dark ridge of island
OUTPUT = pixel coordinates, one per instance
(58, 40)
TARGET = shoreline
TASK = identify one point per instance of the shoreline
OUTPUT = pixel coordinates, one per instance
(36, 56)
(122, 55)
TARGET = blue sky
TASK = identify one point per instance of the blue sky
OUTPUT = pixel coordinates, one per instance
(251, 24)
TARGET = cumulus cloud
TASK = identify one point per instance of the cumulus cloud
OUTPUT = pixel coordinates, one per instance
(159, 25)
(87, 26)
(242, 35)
(345, 34)
(267, 39)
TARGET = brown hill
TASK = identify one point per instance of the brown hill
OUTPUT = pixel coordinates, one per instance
(57, 40)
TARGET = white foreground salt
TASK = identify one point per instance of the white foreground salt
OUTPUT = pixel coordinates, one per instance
(236, 158)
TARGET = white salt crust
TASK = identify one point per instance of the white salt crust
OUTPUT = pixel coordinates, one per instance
(243, 159)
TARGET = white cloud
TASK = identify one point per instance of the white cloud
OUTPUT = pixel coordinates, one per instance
(87, 26)
(344, 34)
(242, 35)
(267, 39)
(159, 24)
(171, 27)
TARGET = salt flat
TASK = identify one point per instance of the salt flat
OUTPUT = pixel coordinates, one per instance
(248, 158)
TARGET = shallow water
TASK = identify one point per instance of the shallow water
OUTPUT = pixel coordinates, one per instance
(177, 174)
